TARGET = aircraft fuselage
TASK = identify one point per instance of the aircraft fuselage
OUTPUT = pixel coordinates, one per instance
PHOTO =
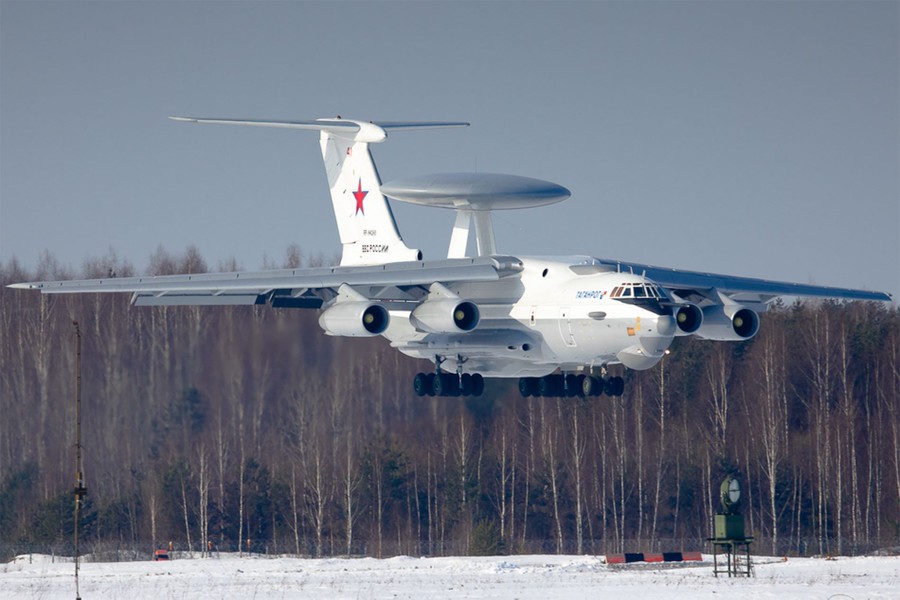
(557, 313)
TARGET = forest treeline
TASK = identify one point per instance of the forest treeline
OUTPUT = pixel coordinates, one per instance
(227, 427)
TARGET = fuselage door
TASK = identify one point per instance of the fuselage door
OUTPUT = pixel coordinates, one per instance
(565, 326)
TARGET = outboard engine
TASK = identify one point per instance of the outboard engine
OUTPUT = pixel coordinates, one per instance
(355, 319)
(728, 323)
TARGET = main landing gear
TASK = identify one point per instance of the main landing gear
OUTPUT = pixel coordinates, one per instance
(562, 386)
(448, 384)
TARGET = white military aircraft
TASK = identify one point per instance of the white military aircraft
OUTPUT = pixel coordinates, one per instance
(556, 323)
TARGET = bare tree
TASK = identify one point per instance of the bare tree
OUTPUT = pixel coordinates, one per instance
(550, 445)
(183, 475)
(717, 375)
(529, 424)
(576, 462)
(295, 510)
(203, 492)
(318, 493)
(504, 475)
(769, 423)
(293, 257)
(660, 418)
(820, 373)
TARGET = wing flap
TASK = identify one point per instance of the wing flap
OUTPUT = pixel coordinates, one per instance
(197, 299)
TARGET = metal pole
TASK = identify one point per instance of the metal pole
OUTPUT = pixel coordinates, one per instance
(80, 490)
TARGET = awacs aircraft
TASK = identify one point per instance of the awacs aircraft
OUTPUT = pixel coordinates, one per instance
(555, 323)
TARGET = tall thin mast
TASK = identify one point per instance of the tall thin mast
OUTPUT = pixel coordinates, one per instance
(80, 490)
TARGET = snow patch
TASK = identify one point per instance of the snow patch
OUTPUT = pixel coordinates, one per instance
(525, 577)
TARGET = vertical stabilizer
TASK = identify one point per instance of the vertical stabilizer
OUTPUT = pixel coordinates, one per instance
(365, 223)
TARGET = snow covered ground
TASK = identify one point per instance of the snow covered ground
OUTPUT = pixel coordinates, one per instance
(535, 577)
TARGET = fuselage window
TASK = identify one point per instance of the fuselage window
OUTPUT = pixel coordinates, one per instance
(639, 291)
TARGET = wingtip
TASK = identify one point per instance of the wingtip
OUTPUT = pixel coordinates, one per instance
(22, 286)
(184, 119)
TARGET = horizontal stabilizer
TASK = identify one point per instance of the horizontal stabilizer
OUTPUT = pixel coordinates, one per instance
(336, 126)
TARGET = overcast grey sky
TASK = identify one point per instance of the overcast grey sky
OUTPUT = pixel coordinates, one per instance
(758, 139)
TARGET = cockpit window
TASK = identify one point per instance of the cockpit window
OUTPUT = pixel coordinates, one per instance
(638, 290)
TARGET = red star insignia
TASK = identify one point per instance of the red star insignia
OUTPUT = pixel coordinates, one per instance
(359, 194)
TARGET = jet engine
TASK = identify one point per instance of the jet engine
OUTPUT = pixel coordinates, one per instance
(688, 319)
(728, 323)
(446, 315)
(355, 319)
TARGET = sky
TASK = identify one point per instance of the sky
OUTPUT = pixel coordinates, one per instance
(749, 138)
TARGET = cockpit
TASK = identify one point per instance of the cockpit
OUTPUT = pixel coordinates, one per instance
(644, 294)
(638, 290)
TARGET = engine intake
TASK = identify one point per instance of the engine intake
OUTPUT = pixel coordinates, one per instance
(448, 315)
(730, 323)
(688, 319)
(355, 319)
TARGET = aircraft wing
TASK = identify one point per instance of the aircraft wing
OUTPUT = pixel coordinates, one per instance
(285, 288)
(696, 285)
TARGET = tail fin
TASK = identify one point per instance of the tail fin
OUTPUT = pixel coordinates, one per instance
(365, 222)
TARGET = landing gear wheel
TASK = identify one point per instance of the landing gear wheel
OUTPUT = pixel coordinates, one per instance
(618, 385)
(609, 388)
(579, 385)
(551, 386)
(465, 384)
(528, 386)
(571, 385)
(590, 386)
(422, 385)
(545, 386)
(443, 384)
(477, 384)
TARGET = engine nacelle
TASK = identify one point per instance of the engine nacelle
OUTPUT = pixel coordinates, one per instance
(731, 323)
(447, 315)
(355, 319)
(688, 319)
